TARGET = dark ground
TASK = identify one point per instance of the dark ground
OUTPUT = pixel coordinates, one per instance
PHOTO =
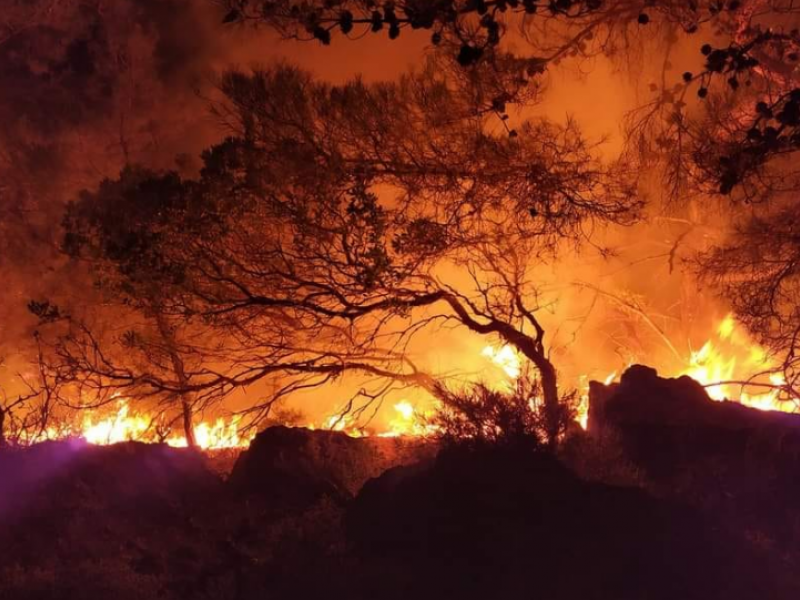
(296, 519)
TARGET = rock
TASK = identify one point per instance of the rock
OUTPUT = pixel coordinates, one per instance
(737, 462)
(294, 467)
(517, 524)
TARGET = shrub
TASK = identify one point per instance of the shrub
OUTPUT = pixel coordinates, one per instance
(479, 415)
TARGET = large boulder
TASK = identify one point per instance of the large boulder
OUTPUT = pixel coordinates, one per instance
(737, 462)
(515, 523)
(294, 467)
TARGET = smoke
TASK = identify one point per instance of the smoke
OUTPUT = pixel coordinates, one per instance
(88, 86)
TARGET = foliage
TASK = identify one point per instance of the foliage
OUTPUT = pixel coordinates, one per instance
(473, 29)
(318, 230)
(478, 415)
(481, 416)
(726, 128)
(122, 228)
(125, 231)
(351, 199)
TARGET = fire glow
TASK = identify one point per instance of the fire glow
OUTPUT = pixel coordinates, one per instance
(731, 365)
(725, 364)
(123, 425)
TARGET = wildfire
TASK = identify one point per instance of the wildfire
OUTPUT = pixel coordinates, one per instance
(510, 361)
(341, 422)
(407, 420)
(727, 366)
(506, 358)
(123, 425)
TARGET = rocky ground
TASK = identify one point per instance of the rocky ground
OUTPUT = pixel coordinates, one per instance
(670, 496)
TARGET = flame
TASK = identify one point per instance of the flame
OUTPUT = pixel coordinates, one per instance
(722, 364)
(123, 426)
(506, 358)
(217, 435)
(510, 361)
(120, 427)
(344, 423)
(407, 421)
(729, 368)
(725, 364)
(726, 327)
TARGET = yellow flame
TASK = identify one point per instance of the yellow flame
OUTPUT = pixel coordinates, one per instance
(510, 361)
(726, 327)
(729, 357)
(724, 364)
(123, 426)
(506, 358)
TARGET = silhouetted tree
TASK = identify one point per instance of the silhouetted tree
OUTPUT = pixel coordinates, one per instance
(747, 74)
(38, 408)
(473, 29)
(88, 87)
(352, 217)
(119, 231)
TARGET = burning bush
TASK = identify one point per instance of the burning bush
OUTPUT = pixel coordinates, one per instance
(480, 415)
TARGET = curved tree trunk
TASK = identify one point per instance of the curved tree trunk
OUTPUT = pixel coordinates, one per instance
(186, 405)
(548, 375)
(532, 347)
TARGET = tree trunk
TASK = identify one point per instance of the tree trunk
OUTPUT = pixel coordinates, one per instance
(188, 426)
(180, 374)
(552, 405)
(534, 351)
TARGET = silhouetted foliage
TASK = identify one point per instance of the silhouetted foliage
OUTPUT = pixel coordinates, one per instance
(125, 231)
(472, 30)
(479, 415)
(739, 144)
(314, 257)
(757, 268)
(316, 232)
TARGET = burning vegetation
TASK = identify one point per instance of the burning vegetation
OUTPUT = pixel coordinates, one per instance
(382, 289)
(729, 365)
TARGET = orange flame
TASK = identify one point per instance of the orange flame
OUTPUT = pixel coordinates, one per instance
(729, 367)
(124, 426)
(724, 364)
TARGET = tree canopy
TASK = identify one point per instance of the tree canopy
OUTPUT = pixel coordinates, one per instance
(335, 223)
(332, 214)
(722, 126)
